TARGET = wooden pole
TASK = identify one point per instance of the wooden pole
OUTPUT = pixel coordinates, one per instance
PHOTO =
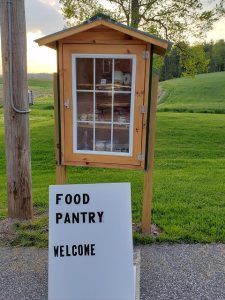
(61, 171)
(148, 174)
(16, 116)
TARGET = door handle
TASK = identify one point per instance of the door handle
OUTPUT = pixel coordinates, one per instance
(67, 103)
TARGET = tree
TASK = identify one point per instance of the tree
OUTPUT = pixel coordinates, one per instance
(219, 55)
(172, 67)
(208, 49)
(193, 59)
(176, 20)
(184, 60)
(172, 19)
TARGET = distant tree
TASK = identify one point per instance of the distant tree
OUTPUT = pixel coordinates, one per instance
(184, 60)
(208, 49)
(193, 59)
(172, 66)
(218, 53)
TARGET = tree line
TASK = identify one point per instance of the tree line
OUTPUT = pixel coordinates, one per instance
(186, 60)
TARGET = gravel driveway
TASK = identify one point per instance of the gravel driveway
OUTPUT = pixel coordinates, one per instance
(176, 272)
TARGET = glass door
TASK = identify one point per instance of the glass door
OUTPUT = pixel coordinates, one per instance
(103, 100)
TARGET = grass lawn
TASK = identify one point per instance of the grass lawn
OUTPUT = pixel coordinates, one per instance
(204, 93)
(189, 198)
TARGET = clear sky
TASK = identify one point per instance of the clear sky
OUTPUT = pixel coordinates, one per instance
(44, 17)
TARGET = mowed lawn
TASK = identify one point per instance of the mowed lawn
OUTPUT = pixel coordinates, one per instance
(189, 185)
(204, 93)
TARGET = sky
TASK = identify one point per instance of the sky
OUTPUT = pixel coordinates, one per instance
(44, 17)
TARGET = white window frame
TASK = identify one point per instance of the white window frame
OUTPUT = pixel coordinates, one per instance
(74, 95)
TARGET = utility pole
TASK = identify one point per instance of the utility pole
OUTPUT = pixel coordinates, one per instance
(16, 109)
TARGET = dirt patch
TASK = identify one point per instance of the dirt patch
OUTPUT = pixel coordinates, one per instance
(154, 230)
(7, 231)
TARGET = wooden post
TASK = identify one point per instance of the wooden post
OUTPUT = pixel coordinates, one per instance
(61, 171)
(16, 109)
(148, 174)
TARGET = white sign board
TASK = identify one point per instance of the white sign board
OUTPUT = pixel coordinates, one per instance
(90, 242)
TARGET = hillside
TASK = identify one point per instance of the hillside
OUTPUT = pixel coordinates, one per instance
(40, 84)
(204, 93)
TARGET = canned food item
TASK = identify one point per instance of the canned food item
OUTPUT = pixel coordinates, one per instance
(83, 117)
(90, 117)
(100, 145)
(108, 146)
(122, 119)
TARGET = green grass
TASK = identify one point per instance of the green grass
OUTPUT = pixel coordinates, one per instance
(32, 233)
(40, 88)
(205, 93)
(40, 85)
(189, 185)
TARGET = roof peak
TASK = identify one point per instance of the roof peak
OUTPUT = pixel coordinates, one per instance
(100, 16)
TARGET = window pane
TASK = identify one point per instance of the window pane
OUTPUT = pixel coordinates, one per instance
(103, 110)
(102, 137)
(84, 106)
(121, 108)
(103, 74)
(122, 74)
(85, 136)
(121, 138)
(84, 73)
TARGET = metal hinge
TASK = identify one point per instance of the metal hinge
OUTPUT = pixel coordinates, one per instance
(67, 103)
(143, 109)
(146, 54)
(141, 157)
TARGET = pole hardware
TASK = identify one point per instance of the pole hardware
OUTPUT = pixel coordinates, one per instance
(17, 110)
